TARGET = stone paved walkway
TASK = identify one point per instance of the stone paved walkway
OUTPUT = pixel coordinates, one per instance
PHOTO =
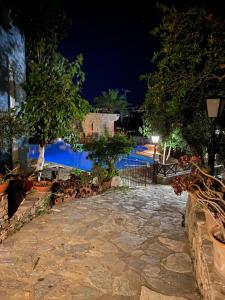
(104, 247)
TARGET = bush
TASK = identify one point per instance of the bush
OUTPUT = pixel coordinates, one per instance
(106, 151)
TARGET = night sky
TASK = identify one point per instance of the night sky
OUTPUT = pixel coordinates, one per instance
(116, 43)
(114, 38)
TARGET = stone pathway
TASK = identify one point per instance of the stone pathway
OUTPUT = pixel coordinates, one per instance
(125, 244)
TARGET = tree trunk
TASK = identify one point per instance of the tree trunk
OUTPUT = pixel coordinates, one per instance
(41, 158)
(164, 153)
(168, 155)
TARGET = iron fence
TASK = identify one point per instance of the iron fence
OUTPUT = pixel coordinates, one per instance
(141, 140)
(134, 175)
(172, 169)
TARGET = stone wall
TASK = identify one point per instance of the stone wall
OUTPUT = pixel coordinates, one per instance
(96, 124)
(210, 284)
(12, 67)
(34, 203)
(4, 223)
(12, 74)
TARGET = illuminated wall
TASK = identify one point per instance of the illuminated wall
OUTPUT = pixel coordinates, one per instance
(12, 67)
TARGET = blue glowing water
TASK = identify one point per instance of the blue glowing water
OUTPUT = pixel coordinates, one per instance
(61, 153)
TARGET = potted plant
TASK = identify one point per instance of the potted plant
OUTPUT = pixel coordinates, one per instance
(207, 191)
(4, 179)
(42, 185)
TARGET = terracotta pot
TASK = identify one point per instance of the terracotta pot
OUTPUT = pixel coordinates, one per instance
(4, 186)
(58, 200)
(218, 252)
(45, 188)
(28, 184)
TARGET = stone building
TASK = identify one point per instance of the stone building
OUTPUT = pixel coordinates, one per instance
(12, 62)
(12, 73)
(97, 124)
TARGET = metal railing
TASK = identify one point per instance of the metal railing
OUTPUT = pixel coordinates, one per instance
(172, 169)
(141, 140)
(135, 175)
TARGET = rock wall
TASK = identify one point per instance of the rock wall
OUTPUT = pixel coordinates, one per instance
(4, 223)
(34, 203)
(210, 284)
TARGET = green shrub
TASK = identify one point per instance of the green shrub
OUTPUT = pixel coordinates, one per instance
(106, 151)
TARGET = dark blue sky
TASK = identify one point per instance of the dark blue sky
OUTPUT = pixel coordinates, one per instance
(116, 44)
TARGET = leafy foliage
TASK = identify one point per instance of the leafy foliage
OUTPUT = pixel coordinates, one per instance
(107, 150)
(146, 129)
(47, 20)
(111, 101)
(189, 67)
(175, 140)
(53, 102)
(10, 127)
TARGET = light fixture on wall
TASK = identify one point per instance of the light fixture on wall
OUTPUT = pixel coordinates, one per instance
(215, 108)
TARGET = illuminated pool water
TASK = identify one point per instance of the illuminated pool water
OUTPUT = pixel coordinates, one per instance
(62, 154)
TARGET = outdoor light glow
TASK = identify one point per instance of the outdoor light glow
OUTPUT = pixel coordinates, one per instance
(155, 139)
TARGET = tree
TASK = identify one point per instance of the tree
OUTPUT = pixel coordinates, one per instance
(174, 141)
(47, 19)
(53, 101)
(146, 128)
(189, 66)
(111, 101)
(10, 128)
(106, 151)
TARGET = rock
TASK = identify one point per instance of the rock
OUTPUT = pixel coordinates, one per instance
(116, 180)
(147, 294)
(121, 287)
(101, 279)
(128, 241)
(178, 262)
(174, 245)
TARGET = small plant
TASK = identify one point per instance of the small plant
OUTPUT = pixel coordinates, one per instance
(2, 179)
(76, 172)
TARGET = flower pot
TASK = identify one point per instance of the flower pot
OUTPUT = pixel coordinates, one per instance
(42, 186)
(28, 184)
(4, 186)
(218, 252)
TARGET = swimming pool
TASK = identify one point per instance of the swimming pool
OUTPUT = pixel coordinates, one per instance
(62, 154)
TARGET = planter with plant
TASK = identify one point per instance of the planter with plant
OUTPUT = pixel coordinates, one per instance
(42, 186)
(208, 193)
(5, 178)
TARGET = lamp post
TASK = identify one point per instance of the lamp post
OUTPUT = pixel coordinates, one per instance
(214, 110)
(155, 140)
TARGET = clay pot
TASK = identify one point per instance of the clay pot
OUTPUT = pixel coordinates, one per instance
(42, 186)
(28, 184)
(58, 200)
(218, 251)
(85, 191)
(4, 186)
